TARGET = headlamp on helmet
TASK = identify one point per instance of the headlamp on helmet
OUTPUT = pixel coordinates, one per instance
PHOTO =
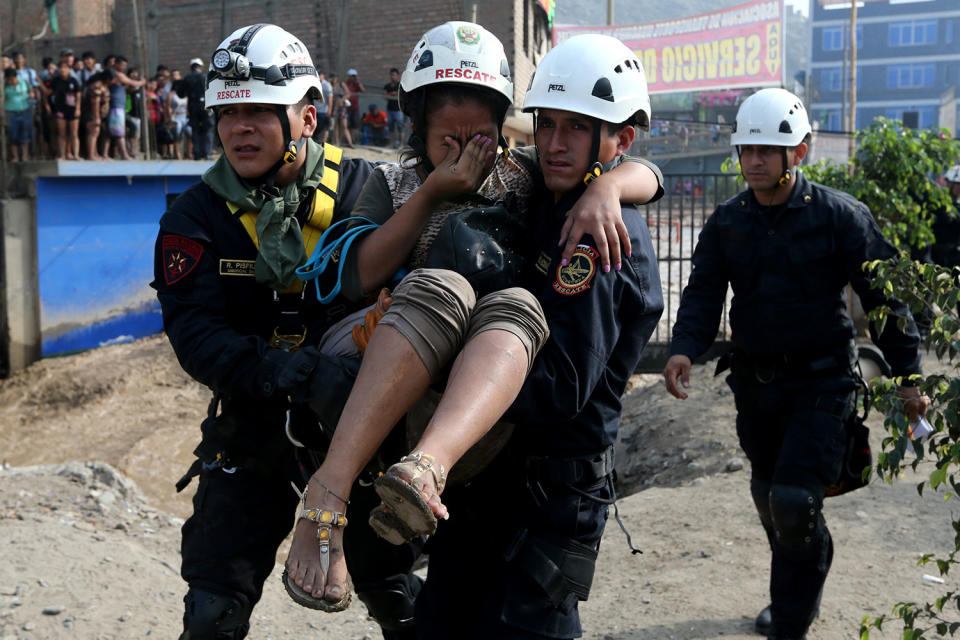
(230, 64)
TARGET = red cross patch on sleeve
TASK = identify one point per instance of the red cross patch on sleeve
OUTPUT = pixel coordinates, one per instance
(180, 256)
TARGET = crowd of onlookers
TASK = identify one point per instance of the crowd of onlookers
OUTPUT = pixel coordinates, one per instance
(78, 108)
(338, 115)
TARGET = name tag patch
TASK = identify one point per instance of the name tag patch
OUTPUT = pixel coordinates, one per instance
(543, 263)
(237, 267)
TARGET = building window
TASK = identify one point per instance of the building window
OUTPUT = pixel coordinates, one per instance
(830, 120)
(910, 76)
(926, 117)
(913, 32)
(832, 79)
(948, 35)
(835, 38)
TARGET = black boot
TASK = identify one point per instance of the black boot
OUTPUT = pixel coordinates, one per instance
(764, 622)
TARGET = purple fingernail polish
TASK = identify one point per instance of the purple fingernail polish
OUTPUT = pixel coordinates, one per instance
(606, 268)
(563, 262)
(618, 266)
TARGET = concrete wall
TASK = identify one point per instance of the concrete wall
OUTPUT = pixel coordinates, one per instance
(78, 244)
(22, 304)
(84, 24)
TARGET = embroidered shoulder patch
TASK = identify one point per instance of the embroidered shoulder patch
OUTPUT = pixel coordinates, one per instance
(576, 276)
(180, 256)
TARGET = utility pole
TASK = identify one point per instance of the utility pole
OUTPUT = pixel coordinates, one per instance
(853, 79)
(145, 73)
(223, 19)
(3, 147)
(610, 12)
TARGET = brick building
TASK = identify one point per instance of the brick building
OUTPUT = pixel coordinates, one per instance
(84, 25)
(368, 35)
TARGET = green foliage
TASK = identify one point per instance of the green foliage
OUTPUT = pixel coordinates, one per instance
(892, 173)
(936, 291)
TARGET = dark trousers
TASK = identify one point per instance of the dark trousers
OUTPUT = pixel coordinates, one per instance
(792, 430)
(201, 129)
(479, 558)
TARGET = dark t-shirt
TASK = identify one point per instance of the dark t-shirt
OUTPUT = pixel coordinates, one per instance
(192, 88)
(64, 92)
(392, 103)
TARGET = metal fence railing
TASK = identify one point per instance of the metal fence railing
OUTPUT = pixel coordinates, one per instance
(675, 222)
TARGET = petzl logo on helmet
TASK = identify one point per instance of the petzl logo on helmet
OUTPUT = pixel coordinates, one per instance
(468, 63)
(468, 35)
(756, 131)
(556, 87)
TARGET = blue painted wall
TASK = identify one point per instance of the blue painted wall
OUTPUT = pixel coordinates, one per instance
(95, 238)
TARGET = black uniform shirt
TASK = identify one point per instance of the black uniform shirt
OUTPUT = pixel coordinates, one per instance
(217, 316)
(599, 324)
(788, 267)
(946, 229)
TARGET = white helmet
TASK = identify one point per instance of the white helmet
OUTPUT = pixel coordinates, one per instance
(772, 117)
(593, 75)
(261, 63)
(952, 174)
(460, 53)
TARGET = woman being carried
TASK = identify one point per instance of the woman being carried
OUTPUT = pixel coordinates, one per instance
(435, 317)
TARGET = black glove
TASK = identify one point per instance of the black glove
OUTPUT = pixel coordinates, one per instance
(320, 382)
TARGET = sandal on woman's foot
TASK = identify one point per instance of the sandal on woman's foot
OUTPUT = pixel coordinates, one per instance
(389, 526)
(326, 520)
(399, 490)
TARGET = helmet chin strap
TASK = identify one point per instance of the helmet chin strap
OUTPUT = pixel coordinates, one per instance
(596, 169)
(291, 148)
(787, 174)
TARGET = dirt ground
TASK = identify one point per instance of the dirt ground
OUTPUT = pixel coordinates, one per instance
(89, 521)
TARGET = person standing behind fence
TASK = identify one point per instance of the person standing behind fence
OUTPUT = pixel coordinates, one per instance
(324, 110)
(199, 119)
(341, 121)
(16, 95)
(96, 104)
(354, 88)
(394, 114)
(176, 107)
(788, 247)
(89, 68)
(65, 109)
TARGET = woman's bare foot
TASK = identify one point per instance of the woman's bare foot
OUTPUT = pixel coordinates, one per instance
(316, 563)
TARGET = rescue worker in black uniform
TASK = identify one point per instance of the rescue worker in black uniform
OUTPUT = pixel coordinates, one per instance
(237, 316)
(946, 225)
(526, 530)
(788, 247)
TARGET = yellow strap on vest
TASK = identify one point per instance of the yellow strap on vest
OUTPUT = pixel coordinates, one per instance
(321, 211)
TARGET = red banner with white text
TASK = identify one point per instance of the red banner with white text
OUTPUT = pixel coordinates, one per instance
(737, 47)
